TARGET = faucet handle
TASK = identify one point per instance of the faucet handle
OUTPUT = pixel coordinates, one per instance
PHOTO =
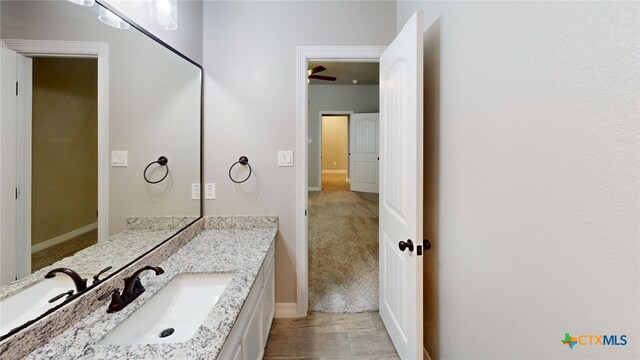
(110, 292)
(58, 297)
(116, 300)
(96, 277)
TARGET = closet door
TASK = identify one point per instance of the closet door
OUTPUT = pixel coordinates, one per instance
(364, 152)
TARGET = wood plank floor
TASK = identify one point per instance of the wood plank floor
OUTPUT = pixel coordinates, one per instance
(330, 336)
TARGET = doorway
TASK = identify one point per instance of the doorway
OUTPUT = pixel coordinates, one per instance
(64, 170)
(343, 210)
(17, 174)
(334, 152)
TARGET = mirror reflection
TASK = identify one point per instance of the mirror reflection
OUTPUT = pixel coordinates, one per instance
(100, 146)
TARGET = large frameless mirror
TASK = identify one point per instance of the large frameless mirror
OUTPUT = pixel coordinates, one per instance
(101, 143)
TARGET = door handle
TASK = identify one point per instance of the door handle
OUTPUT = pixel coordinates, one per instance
(426, 245)
(406, 245)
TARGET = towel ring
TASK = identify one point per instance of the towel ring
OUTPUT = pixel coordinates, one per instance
(162, 161)
(242, 161)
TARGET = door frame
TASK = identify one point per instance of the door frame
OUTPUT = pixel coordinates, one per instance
(348, 114)
(304, 55)
(75, 49)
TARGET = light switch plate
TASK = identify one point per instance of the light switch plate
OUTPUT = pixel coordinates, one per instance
(119, 158)
(209, 191)
(285, 158)
(195, 191)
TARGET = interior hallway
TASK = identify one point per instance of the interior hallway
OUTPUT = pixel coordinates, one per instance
(343, 252)
(335, 182)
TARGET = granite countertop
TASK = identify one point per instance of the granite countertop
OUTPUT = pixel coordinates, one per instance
(237, 251)
(119, 250)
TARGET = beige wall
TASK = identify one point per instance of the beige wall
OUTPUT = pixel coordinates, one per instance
(334, 142)
(250, 62)
(533, 188)
(356, 98)
(65, 145)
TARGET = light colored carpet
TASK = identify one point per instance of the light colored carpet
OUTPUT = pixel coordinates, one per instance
(343, 252)
(335, 182)
(50, 255)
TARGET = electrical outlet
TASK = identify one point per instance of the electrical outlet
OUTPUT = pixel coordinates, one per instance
(209, 191)
(195, 191)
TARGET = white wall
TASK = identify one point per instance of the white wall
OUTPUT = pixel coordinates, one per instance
(249, 58)
(187, 38)
(536, 109)
(154, 106)
(356, 98)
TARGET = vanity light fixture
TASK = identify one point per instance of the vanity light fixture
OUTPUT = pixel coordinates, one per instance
(111, 19)
(83, 2)
(165, 13)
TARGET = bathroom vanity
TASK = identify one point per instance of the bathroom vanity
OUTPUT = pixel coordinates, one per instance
(219, 270)
(241, 249)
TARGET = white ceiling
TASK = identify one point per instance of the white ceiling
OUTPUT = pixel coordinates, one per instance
(365, 73)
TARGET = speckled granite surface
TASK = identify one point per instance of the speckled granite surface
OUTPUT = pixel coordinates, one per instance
(46, 328)
(237, 251)
(142, 234)
(159, 222)
(241, 222)
(118, 251)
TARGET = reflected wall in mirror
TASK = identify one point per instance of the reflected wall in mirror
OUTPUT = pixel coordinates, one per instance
(86, 108)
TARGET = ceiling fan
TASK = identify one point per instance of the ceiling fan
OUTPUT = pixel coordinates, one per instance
(312, 74)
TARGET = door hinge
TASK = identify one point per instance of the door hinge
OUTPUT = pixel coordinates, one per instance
(16, 88)
(16, 193)
(305, 212)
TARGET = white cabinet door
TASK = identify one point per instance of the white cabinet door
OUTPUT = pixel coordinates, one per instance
(363, 152)
(237, 355)
(401, 189)
(252, 344)
(269, 303)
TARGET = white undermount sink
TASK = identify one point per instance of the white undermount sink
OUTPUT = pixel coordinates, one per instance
(178, 309)
(32, 301)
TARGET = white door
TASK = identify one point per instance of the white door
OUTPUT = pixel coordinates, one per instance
(401, 189)
(8, 169)
(363, 152)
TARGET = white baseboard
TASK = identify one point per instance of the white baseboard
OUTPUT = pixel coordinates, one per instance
(64, 237)
(334, 171)
(314, 188)
(286, 310)
(426, 354)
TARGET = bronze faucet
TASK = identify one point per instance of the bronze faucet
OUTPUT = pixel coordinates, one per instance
(132, 289)
(80, 283)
